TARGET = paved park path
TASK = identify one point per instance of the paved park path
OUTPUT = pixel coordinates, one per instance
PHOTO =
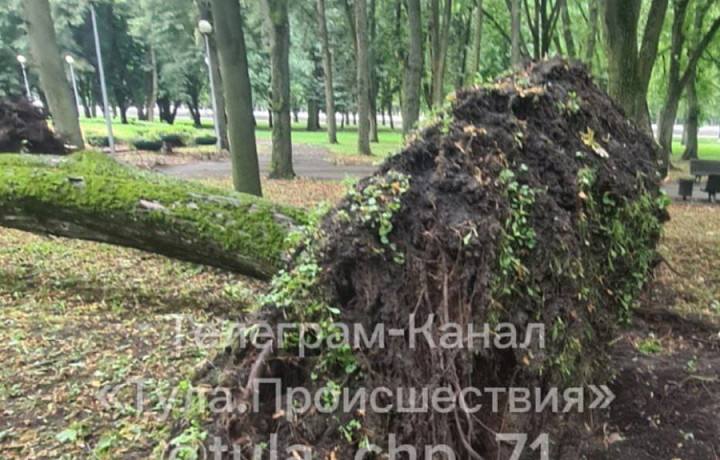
(309, 161)
(315, 162)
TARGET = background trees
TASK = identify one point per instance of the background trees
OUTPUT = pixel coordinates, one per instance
(366, 62)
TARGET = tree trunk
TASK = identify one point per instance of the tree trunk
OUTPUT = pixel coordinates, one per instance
(592, 34)
(238, 94)
(440, 39)
(474, 64)
(148, 211)
(43, 44)
(668, 114)
(278, 34)
(152, 97)
(363, 78)
(567, 30)
(693, 121)
(630, 69)
(413, 69)
(374, 88)
(313, 121)
(515, 31)
(328, 73)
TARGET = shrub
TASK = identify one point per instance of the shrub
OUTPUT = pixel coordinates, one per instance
(206, 140)
(174, 140)
(150, 146)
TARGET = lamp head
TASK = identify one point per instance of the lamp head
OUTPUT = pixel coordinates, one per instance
(21, 59)
(205, 27)
(69, 59)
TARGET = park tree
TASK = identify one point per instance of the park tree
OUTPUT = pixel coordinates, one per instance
(629, 66)
(439, 35)
(363, 77)
(43, 44)
(327, 72)
(277, 25)
(688, 52)
(412, 80)
(515, 33)
(238, 94)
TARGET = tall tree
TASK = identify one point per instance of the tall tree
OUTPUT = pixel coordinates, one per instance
(473, 67)
(439, 43)
(515, 34)
(567, 29)
(363, 77)
(630, 68)
(44, 48)
(413, 70)
(277, 25)
(328, 73)
(238, 94)
(679, 78)
(592, 34)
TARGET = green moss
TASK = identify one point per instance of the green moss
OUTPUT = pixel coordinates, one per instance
(92, 183)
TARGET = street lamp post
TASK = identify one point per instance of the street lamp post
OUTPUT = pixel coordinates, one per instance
(71, 62)
(206, 29)
(103, 86)
(21, 59)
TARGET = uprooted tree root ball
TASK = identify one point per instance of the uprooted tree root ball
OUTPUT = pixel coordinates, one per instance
(24, 128)
(532, 201)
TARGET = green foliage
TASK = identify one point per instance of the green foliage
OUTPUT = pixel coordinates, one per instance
(518, 236)
(375, 206)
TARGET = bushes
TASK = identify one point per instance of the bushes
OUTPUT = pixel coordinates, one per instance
(206, 140)
(150, 146)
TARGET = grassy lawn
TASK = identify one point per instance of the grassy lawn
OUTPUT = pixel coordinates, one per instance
(708, 149)
(390, 141)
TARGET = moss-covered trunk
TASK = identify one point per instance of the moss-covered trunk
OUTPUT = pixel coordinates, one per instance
(91, 197)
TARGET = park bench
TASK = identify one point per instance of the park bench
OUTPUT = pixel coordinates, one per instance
(700, 168)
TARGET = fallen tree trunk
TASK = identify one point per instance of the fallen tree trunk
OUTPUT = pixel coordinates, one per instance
(91, 197)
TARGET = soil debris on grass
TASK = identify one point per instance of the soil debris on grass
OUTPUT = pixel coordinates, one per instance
(24, 128)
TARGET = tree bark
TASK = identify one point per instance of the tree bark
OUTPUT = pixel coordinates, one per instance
(363, 78)
(515, 31)
(414, 67)
(693, 120)
(328, 73)
(278, 33)
(630, 69)
(440, 40)
(89, 196)
(152, 97)
(238, 94)
(592, 34)
(474, 64)
(567, 30)
(44, 48)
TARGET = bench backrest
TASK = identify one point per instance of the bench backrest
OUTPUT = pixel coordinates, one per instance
(704, 167)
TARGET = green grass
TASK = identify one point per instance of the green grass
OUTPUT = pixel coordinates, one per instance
(390, 141)
(708, 149)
